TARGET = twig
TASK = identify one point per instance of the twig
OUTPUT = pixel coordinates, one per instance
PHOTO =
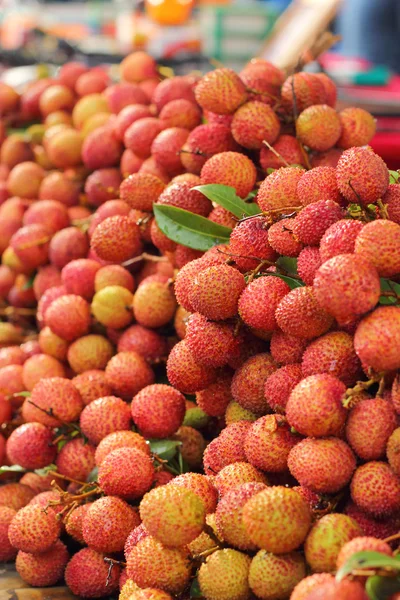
(272, 149)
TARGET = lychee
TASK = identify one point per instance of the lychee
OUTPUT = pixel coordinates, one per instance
(144, 341)
(282, 240)
(212, 344)
(362, 176)
(32, 530)
(73, 522)
(215, 398)
(369, 426)
(126, 472)
(87, 574)
(232, 169)
(268, 443)
(332, 353)
(302, 90)
(339, 238)
(113, 275)
(158, 410)
(91, 385)
(180, 113)
(234, 413)
(253, 123)
(220, 91)
(141, 190)
(249, 243)
(203, 142)
(272, 576)
(185, 373)
(53, 400)
(183, 196)
(299, 314)
(226, 449)
(288, 152)
(127, 373)
(379, 243)
(103, 416)
(30, 446)
(304, 587)
(76, 459)
(7, 551)
(376, 340)
(224, 575)
(236, 474)
(358, 127)
(121, 519)
(166, 149)
(362, 544)
(258, 302)
(208, 292)
(200, 485)
(249, 380)
(392, 200)
(117, 239)
(68, 317)
(287, 349)
(44, 569)
(318, 127)
(280, 384)
(375, 488)
(15, 495)
(173, 88)
(279, 189)
(154, 304)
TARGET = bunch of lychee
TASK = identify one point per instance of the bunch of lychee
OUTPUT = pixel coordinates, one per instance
(177, 423)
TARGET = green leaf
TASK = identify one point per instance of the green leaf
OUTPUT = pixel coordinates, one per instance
(270, 170)
(188, 229)
(12, 469)
(368, 560)
(288, 263)
(22, 394)
(395, 175)
(195, 591)
(226, 196)
(93, 475)
(61, 444)
(389, 286)
(292, 283)
(165, 449)
(382, 588)
(46, 470)
(29, 282)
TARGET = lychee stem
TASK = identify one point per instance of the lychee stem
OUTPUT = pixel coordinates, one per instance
(285, 162)
(349, 401)
(144, 256)
(392, 538)
(382, 209)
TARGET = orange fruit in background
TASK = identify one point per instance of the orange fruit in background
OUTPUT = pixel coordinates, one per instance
(169, 12)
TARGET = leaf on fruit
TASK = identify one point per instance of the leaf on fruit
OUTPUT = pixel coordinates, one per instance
(93, 475)
(46, 470)
(12, 469)
(382, 588)
(22, 394)
(292, 283)
(394, 176)
(165, 449)
(29, 282)
(226, 196)
(368, 560)
(389, 286)
(188, 229)
(195, 591)
(288, 263)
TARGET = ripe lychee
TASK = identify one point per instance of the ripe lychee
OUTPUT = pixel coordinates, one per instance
(127, 473)
(185, 373)
(393, 451)
(183, 196)
(208, 292)
(120, 439)
(33, 530)
(332, 353)
(300, 314)
(146, 342)
(280, 384)
(166, 149)
(289, 153)
(31, 244)
(326, 539)
(205, 141)
(362, 176)
(279, 189)
(268, 443)
(212, 344)
(103, 416)
(302, 90)
(51, 212)
(53, 400)
(369, 426)
(73, 522)
(89, 352)
(7, 551)
(249, 242)
(134, 537)
(152, 564)
(272, 576)
(392, 200)
(78, 277)
(226, 449)
(180, 113)
(200, 485)
(117, 239)
(308, 584)
(287, 349)
(215, 398)
(358, 127)
(312, 222)
(44, 569)
(308, 263)
(154, 304)
(15, 495)
(258, 302)
(376, 340)
(91, 385)
(318, 127)
(76, 459)
(232, 169)
(371, 526)
(128, 373)
(315, 408)
(87, 574)
(375, 488)
(277, 504)
(141, 190)
(220, 91)
(224, 575)
(158, 410)
(30, 446)
(78, 321)
(318, 184)
(282, 240)
(113, 275)
(339, 238)
(323, 465)
(379, 243)
(253, 123)
(361, 544)
(234, 413)
(172, 88)
(121, 519)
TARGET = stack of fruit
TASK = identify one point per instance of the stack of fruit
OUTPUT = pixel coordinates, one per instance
(200, 346)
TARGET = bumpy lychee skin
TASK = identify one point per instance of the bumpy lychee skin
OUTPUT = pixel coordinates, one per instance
(76, 459)
(282, 240)
(302, 589)
(375, 488)
(249, 380)
(134, 538)
(287, 349)
(224, 575)
(288, 149)
(229, 514)
(393, 451)
(120, 517)
(44, 569)
(274, 576)
(311, 463)
(230, 168)
(117, 440)
(345, 590)
(300, 314)
(343, 301)
(185, 373)
(372, 526)
(280, 384)
(311, 223)
(180, 113)
(200, 485)
(31, 245)
(209, 291)
(279, 190)
(205, 141)
(339, 238)
(7, 551)
(212, 344)
(78, 277)
(166, 149)
(103, 416)
(172, 89)
(91, 385)
(192, 447)
(32, 530)
(37, 367)
(221, 92)
(74, 521)
(87, 575)
(369, 426)
(392, 200)
(379, 243)
(361, 544)
(332, 353)
(315, 406)
(152, 564)
(253, 123)
(175, 516)
(56, 395)
(183, 196)
(358, 127)
(113, 275)
(274, 505)
(318, 184)
(376, 340)
(68, 317)
(116, 239)
(268, 443)
(235, 474)
(234, 413)
(127, 473)
(226, 449)
(15, 495)
(249, 242)
(128, 373)
(214, 399)
(325, 540)
(89, 352)
(302, 90)
(362, 176)
(308, 263)
(144, 341)
(318, 127)
(258, 302)
(154, 304)
(158, 410)
(30, 446)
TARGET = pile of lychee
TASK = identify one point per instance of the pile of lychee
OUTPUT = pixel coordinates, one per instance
(180, 423)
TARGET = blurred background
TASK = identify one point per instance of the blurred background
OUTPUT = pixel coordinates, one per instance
(36, 36)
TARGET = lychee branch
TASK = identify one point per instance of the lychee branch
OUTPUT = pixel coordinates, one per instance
(272, 149)
(350, 399)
